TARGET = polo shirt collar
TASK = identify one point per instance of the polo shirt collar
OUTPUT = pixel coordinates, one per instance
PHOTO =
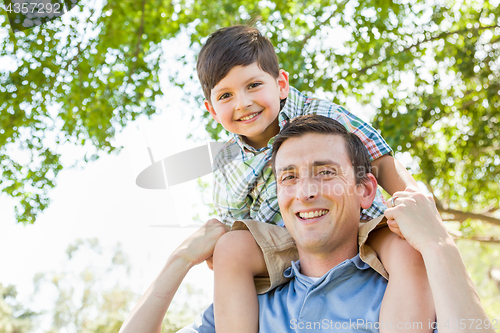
(294, 270)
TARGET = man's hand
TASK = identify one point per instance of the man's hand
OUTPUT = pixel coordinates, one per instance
(200, 246)
(414, 216)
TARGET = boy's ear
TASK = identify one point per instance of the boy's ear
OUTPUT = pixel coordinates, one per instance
(369, 191)
(283, 84)
(211, 110)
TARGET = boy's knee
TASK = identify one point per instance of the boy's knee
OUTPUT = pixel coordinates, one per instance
(235, 247)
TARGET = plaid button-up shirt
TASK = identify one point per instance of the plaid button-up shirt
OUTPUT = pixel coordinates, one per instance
(244, 184)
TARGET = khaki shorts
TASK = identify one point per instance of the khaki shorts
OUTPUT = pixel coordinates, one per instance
(279, 249)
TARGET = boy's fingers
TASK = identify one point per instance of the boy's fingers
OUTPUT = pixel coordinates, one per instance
(393, 226)
(390, 213)
(210, 263)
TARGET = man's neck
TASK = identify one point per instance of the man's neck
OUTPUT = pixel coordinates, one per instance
(318, 264)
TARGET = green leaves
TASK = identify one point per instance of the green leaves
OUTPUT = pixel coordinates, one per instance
(430, 71)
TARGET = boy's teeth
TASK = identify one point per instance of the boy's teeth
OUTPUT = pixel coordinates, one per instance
(313, 214)
(249, 117)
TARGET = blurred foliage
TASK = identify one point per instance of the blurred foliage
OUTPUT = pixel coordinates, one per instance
(14, 317)
(188, 302)
(90, 294)
(482, 261)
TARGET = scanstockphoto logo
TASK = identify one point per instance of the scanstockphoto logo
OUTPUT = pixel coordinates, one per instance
(27, 14)
(198, 162)
(179, 168)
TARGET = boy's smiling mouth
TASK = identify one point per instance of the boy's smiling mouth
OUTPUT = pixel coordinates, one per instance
(250, 116)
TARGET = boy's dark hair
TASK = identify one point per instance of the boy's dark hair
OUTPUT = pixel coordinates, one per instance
(226, 48)
(313, 123)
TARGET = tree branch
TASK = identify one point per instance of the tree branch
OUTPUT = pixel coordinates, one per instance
(425, 40)
(457, 235)
(438, 202)
(482, 239)
(459, 215)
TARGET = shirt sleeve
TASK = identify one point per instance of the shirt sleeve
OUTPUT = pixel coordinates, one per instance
(231, 187)
(373, 141)
(203, 323)
(229, 206)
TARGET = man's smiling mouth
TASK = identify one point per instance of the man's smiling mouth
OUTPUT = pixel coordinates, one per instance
(249, 116)
(311, 215)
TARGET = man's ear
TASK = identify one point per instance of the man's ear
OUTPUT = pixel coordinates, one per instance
(211, 110)
(369, 191)
(283, 84)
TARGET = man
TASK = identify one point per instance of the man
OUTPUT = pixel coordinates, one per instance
(323, 181)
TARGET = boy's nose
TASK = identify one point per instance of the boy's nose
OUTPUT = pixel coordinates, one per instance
(243, 101)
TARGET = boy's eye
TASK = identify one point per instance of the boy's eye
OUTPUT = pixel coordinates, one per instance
(223, 96)
(253, 85)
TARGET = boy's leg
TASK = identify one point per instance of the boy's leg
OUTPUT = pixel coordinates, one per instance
(407, 305)
(237, 260)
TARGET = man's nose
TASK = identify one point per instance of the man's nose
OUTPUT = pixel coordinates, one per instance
(307, 190)
(243, 101)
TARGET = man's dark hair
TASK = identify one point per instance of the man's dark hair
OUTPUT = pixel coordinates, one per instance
(234, 46)
(313, 123)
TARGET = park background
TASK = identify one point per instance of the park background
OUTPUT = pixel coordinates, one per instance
(82, 97)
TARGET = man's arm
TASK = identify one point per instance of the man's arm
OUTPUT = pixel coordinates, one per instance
(455, 298)
(391, 174)
(147, 315)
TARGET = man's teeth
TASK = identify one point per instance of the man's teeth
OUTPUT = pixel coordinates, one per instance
(311, 215)
(249, 117)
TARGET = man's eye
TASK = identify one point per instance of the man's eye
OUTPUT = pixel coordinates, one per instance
(223, 96)
(327, 172)
(289, 177)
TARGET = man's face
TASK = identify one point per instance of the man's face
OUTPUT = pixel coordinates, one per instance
(247, 102)
(317, 194)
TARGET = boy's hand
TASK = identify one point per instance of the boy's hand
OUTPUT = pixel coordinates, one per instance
(200, 246)
(414, 216)
(392, 224)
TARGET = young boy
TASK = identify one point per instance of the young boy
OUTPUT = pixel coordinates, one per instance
(250, 96)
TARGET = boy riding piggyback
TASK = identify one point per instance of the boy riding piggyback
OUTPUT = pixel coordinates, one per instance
(249, 95)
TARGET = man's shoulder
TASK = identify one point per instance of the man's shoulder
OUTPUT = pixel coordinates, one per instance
(203, 323)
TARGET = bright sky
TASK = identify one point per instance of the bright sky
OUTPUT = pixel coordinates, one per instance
(103, 201)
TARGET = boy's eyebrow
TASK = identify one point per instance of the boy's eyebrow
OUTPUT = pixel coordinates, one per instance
(253, 78)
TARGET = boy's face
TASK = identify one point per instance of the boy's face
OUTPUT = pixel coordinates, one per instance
(247, 102)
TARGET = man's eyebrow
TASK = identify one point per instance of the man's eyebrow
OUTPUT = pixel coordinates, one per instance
(315, 164)
(287, 168)
(325, 162)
